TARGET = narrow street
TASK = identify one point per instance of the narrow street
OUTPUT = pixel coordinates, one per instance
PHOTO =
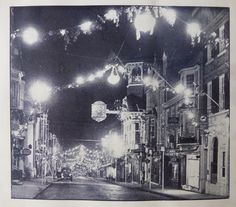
(121, 103)
(90, 189)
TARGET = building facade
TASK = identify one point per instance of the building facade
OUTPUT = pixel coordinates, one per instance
(216, 85)
(193, 125)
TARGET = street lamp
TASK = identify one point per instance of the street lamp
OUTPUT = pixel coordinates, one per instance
(30, 35)
(114, 144)
(163, 168)
(40, 91)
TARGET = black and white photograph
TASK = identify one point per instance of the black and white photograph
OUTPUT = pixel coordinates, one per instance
(119, 103)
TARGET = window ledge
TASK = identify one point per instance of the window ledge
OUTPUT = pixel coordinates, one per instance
(222, 52)
(210, 61)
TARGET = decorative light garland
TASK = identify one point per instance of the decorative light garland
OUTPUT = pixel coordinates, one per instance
(135, 14)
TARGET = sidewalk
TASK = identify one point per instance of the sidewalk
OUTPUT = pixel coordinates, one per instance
(30, 188)
(183, 194)
(177, 194)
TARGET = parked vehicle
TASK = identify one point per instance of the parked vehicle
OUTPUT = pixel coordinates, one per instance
(65, 174)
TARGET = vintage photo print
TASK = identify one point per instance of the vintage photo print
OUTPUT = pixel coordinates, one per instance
(119, 103)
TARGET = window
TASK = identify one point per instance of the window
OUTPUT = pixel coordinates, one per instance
(188, 128)
(226, 33)
(209, 93)
(189, 81)
(136, 75)
(137, 133)
(14, 93)
(226, 86)
(215, 47)
(221, 38)
(222, 91)
(152, 132)
(209, 56)
(152, 128)
(204, 105)
(214, 163)
(215, 95)
(223, 164)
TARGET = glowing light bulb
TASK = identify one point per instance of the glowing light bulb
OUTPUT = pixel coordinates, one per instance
(99, 74)
(62, 32)
(188, 92)
(111, 15)
(121, 69)
(80, 80)
(40, 91)
(170, 16)
(91, 77)
(114, 77)
(193, 29)
(86, 27)
(30, 35)
(179, 88)
(144, 22)
(190, 115)
(147, 80)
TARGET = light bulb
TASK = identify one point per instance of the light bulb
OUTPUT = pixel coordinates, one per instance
(30, 35)
(114, 77)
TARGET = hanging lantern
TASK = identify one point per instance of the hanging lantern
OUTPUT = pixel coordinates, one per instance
(114, 77)
(98, 113)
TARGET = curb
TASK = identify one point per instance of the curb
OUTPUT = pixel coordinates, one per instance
(171, 196)
(149, 191)
(35, 197)
(167, 195)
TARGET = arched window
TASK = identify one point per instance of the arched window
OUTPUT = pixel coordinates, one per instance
(214, 163)
(136, 75)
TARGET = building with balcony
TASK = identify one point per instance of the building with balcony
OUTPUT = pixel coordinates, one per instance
(133, 124)
(182, 154)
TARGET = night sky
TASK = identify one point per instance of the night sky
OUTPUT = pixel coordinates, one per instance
(69, 110)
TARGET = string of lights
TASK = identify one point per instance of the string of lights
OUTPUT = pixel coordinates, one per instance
(137, 15)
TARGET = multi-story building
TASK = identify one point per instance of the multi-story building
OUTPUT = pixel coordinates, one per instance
(18, 127)
(18, 122)
(197, 134)
(133, 122)
(181, 132)
(215, 22)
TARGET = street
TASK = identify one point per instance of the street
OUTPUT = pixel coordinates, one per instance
(90, 189)
(119, 102)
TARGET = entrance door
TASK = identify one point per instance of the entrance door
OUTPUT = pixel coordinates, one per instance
(192, 172)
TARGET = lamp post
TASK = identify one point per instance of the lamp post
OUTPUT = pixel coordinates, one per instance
(30, 35)
(150, 182)
(40, 92)
(163, 168)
